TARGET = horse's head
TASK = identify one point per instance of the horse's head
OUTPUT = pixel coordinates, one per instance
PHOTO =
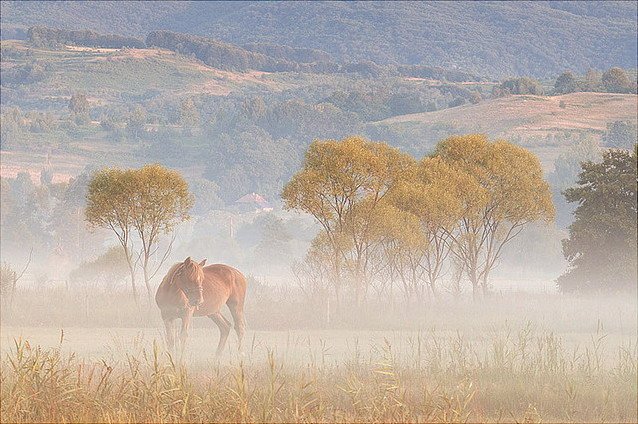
(189, 277)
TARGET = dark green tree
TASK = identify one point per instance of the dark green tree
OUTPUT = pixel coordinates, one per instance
(601, 247)
(79, 108)
(522, 85)
(566, 83)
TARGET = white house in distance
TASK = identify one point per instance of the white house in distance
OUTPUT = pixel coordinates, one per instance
(253, 202)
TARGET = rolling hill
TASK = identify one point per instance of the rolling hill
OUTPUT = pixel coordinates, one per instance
(532, 115)
(492, 39)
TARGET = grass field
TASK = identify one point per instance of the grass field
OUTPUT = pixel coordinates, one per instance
(529, 362)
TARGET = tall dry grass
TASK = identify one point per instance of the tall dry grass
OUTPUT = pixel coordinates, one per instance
(509, 376)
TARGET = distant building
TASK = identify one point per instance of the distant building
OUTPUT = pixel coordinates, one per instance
(253, 202)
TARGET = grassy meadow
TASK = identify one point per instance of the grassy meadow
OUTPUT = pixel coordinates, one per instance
(513, 358)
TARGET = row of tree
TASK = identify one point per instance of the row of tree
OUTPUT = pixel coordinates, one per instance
(614, 80)
(386, 217)
(388, 220)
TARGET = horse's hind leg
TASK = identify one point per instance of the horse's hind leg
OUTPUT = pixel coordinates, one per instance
(224, 330)
(237, 311)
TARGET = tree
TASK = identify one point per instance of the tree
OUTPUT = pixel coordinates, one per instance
(107, 268)
(9, 280)
(25, 211)
(273, 250)
(136, 121)
(506, 191)
(145, 202)
(109, 205)
(401, 258)
(67, 220)
(343, 185)
(621, 135)
(522, 85)
(601, 247)
(566, 83)
(161, 201)
(188, 116)
(79, 107)
(615, 80)
(592, 80)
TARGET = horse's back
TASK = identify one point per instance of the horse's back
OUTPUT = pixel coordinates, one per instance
(231, 278)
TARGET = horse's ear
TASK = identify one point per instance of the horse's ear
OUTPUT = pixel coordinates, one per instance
(187, 260)
(202, 263)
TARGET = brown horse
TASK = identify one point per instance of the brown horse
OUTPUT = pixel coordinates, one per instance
(191, 289)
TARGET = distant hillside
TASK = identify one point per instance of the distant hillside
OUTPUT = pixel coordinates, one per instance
(493, 39)
(533, 115)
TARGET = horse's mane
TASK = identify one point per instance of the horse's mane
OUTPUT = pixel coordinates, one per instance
(191, 270)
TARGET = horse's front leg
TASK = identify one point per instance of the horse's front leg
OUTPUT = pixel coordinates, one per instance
(186, 322)
(169, 324)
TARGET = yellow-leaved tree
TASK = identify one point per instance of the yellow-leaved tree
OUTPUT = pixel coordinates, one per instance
(138, 205)
(504, 190)
(108, 205)
(343, 184)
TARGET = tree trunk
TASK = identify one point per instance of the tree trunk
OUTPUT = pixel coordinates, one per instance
(133, 286)
(476, 285)
(484, 284)
(147, 283)
(475, 292)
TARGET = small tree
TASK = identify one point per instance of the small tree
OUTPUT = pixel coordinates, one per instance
(567, 166)
(615, 80)
(107, 268)
(601, 247)
(79, 107)
(566, 83)
(9, 280)
(522, 85)
(188, 116)
(136, 121)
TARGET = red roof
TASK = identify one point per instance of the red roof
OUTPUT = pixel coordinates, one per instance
(253, 198)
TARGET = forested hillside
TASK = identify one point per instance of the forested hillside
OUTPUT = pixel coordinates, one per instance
(494, 39)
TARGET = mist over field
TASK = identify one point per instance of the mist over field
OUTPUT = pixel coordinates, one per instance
(318, 212)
